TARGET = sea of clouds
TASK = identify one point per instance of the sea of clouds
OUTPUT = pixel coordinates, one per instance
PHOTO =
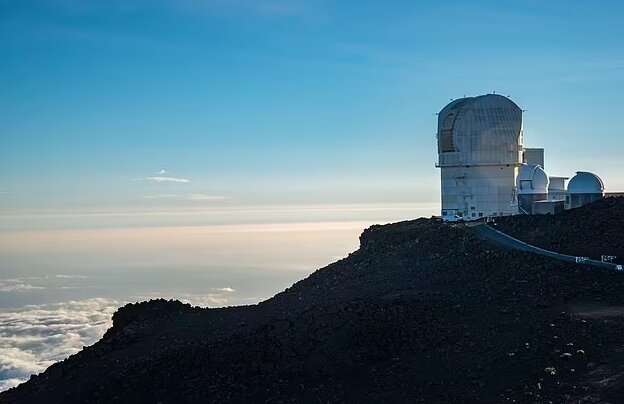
(35, 336)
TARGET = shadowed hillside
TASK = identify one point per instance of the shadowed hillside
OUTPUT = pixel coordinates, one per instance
(423, 312)
(591, 230)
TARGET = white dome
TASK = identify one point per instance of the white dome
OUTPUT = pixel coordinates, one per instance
(585, 183)
(480, 130)
(532, 179)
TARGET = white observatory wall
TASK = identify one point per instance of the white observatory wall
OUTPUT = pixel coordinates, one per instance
(478, 174)
(478, 191)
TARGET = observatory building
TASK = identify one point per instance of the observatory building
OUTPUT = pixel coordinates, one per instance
(487, 172)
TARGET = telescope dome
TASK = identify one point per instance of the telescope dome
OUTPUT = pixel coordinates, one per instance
(585, 183)
(532, 179)
(480, 130)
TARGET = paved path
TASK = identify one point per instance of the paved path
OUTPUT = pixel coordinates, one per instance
(498, 237)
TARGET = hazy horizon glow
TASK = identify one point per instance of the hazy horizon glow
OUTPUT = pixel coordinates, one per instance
(64, 274)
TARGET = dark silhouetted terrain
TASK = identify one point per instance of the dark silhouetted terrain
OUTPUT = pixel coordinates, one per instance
(422, 312)
(591, 231)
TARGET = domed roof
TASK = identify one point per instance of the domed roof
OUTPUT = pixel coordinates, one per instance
(532, 179)
(480, 130)
(585, 183)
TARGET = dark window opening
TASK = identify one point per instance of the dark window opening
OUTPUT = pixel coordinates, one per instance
(447, 141)
(446, 134)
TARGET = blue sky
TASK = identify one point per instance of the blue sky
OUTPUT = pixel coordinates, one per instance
(275, 101)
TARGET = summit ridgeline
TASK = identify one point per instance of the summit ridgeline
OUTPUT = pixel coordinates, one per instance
(423, 311)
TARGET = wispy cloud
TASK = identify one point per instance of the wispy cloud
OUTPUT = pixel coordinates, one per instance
(63, 276)
(160, 177)
(226, 289)
(162, 196)
(203, 197)
(47, 282)
(17, 285)
(166, 179)
(188, 197)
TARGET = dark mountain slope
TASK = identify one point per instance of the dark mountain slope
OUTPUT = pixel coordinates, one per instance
(423, 311)
(590, 231)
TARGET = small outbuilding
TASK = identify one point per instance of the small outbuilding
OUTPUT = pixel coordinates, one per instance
(548, 207)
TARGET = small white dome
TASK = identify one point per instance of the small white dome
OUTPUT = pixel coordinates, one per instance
(585, 183)
(532, 179)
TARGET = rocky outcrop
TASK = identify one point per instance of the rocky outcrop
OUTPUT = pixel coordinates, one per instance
(423, 311)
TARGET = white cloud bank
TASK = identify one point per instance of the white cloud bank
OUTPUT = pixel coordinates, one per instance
(34, 337)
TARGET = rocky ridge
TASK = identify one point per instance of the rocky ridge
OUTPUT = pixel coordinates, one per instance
(592, 230)
(423, 311)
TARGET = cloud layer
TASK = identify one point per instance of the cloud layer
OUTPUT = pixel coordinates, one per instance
(34, 337)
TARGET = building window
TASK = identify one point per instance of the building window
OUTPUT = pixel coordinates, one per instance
(474, 214)
(472, 208)
(480, 214)
(443, 213)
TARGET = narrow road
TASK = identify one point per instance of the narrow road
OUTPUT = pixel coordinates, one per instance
(500, 238)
